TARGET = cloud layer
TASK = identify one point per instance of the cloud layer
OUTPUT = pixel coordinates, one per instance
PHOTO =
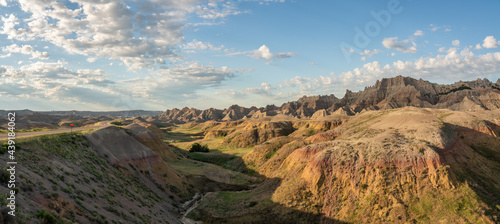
(453, 65)
(403, 46)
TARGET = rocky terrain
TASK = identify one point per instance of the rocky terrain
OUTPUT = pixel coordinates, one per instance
(407, 165)
(401, 151)
(387, 93)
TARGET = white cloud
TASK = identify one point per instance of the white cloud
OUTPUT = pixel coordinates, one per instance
(435, 28)
(214, 10)
(140, 35)
(25, 49)
(403, 46)
(419, 33)
(54, 83)
(3, 3)
(456, 43)
(107, 29)
(478, 47)
(453, 65)
(442, 49)
(371, 53)
(490, 42)
(182, 79)
(264, 53)
(199, 45)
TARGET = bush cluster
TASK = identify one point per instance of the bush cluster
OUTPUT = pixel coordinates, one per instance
(119, 123)
(46, 217)
(196, 147)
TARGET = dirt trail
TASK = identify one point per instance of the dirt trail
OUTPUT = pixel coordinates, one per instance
(101, 124)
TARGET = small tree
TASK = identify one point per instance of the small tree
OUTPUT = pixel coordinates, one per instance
(196, 147)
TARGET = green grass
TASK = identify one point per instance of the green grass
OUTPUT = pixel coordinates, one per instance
(462, 202)
(28, 130)
(215, 172)
(117, 123)
(443, 116)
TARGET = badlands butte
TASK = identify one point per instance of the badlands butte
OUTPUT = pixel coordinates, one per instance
(401, 151)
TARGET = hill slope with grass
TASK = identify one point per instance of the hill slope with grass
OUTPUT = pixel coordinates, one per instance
(74, 178)
(403, 165)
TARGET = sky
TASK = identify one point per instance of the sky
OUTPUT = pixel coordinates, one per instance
(105, 55)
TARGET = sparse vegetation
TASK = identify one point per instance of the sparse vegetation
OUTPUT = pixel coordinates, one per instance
(375, 170)
(46, 217)
(117, 123)
(196, 147)
(462, 87)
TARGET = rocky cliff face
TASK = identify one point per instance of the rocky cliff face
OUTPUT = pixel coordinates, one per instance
(388, 93)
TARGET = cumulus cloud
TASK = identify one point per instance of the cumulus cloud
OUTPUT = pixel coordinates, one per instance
(371, 53)
(490, 42)
(181, 80)
(435, 28)
(107, 29)
(456, 43)
(25, 49)
(199, 45)
(419, 33)
(403, 46)
(453, 65)
(264, 53)
(214, 10)
(141, 35)
(55, 82)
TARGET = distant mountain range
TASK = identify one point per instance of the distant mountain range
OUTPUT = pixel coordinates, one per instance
(126, 113)
(387, 93)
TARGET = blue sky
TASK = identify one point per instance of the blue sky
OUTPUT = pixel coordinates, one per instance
(155, 55)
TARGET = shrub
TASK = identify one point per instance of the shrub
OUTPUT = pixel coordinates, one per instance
(119, 123)
(46, 217)
(463, 87)
(196, 147)
(252, 204)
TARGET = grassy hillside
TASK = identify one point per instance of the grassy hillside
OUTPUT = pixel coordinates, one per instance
(407, 165)
(404, 165)
(62, 176)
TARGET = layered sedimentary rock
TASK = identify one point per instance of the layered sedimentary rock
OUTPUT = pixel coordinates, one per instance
(388, 93)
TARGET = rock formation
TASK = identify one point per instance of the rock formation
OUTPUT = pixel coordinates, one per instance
(388, 93)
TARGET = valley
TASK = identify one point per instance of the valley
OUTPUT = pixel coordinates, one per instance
(354, 162)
